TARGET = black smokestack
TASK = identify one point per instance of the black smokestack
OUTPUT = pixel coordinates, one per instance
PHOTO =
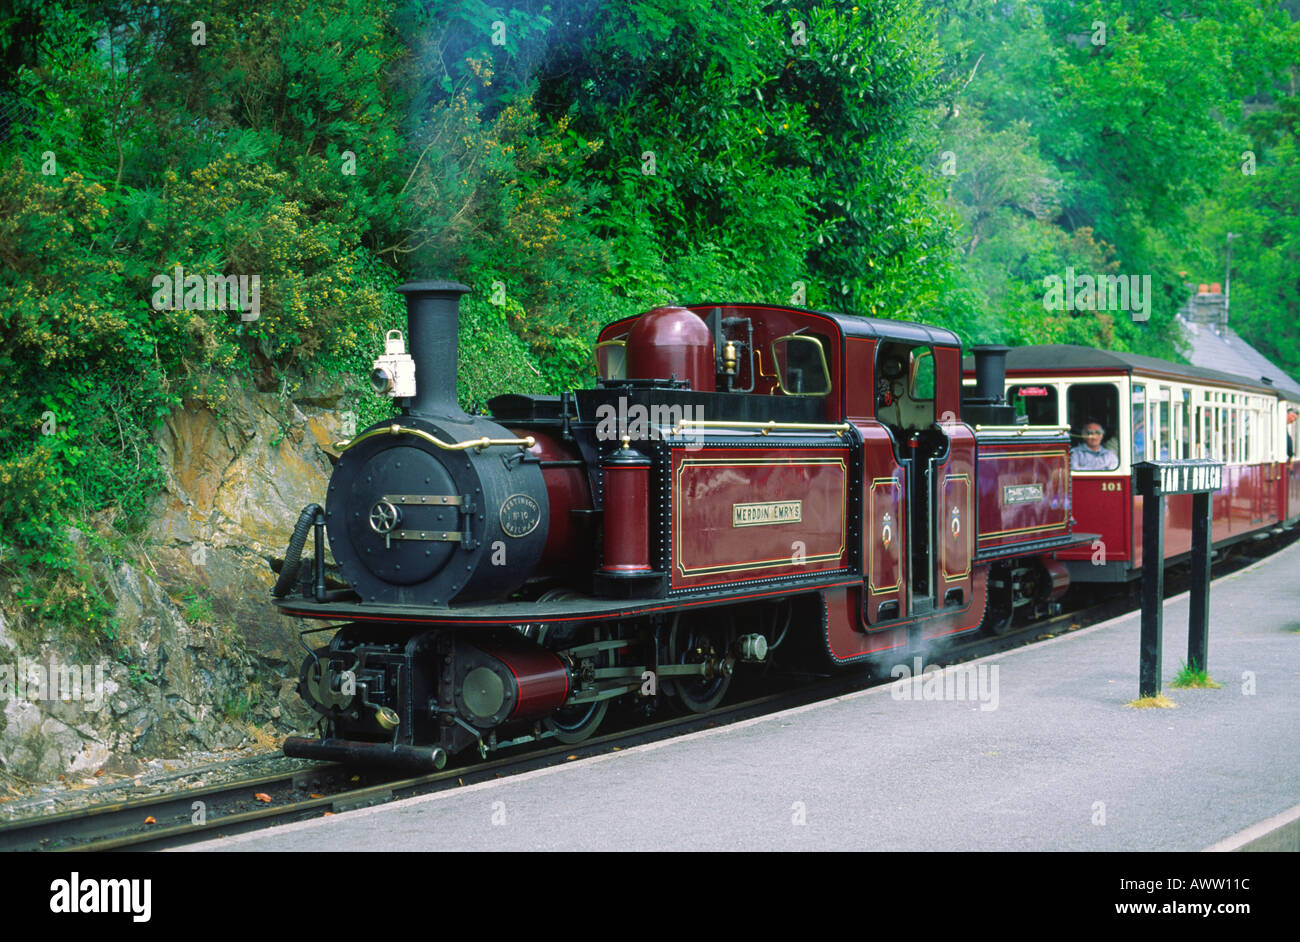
(990, 371)
(432, 317)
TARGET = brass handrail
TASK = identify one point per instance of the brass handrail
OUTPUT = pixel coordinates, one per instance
(1023, 429)
(479, 443)
(764, 427)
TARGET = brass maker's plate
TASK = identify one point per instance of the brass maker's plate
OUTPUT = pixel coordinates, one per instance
(1021, 493)
(519, 515)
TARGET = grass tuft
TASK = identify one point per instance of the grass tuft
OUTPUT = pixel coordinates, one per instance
(1190, 676)
(1159, 701)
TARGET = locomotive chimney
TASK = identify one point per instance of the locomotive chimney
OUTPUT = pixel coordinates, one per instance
(986, 404)
(433, 316)
(990, 372)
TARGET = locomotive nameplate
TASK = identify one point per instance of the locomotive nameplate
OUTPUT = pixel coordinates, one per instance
(520, 515)
(766, 513)
(743, 513)
(1021, 493)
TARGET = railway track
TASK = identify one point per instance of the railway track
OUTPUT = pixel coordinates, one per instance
(189, 815)
(237, 807)
(194, 814)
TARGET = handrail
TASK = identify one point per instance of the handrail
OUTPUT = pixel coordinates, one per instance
(1023, 429)
(764, 427)
(479, 443)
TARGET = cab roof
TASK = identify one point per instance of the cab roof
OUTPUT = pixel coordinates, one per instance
(852, 325)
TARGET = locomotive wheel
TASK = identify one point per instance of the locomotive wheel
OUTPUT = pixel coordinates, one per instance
(571, 724)
(575, 724)
(999, 621)
(999, 606)
(693, 638)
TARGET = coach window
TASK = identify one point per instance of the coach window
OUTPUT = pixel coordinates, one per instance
(1217, 447)
(1230, 428)
(1139, 425)
(1088, 405)
(1183, 423)
(1248, 429)
(1160, 421)
(1200, 425)
(1267, 420)
(1207, 425)
(1037, 402)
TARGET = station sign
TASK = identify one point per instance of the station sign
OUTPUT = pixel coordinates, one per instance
(1152, 478)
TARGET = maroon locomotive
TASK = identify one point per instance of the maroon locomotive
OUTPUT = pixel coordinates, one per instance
(741, 475)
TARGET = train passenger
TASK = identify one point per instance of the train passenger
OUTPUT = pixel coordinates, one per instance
(1091, 456)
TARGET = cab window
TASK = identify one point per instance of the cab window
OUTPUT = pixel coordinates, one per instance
(611, 358)
(801, 368)
(922, 375)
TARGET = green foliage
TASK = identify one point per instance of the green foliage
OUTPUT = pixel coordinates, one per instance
(1262, 209)
(144, 152)
(236, 704)
(198, 607)
(1085, 133)
(137, 675)
(785, 140)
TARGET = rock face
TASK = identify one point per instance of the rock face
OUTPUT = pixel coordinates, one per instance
(200, 653)
(236, 485)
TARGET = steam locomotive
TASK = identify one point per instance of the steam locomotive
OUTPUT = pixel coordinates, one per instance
(741, 477)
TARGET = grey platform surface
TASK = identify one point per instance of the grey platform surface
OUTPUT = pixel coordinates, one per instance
(1057, 762)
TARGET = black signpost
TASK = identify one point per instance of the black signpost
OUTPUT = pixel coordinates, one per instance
(1153, 480)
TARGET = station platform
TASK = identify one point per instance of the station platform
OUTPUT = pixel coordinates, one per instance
(1036, 750)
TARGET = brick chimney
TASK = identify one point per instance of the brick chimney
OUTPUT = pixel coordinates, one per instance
(1207, 306)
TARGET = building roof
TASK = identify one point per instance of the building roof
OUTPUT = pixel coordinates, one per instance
(1221, 348)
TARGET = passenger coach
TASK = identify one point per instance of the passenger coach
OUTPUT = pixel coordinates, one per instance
(1151, 409)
